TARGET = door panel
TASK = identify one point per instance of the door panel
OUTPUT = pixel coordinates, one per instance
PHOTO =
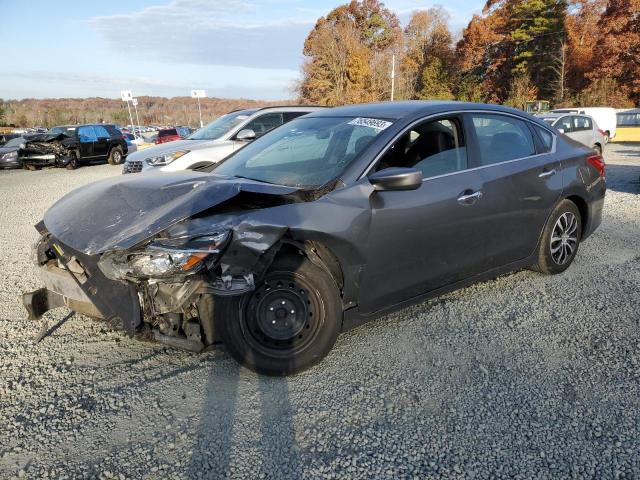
(87, 138)
(101, 147)
(422, 239)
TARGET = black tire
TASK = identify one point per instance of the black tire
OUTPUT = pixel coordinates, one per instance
(598, 149)
(560, 239)
(115, 156)
(287, 324)
(73, 162)
(607, 136)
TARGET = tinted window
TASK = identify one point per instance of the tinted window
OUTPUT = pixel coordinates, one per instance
(87, 134)
(565, 124)
(581, 123)
(502, 138)
(288, 116)
(546, 138)
(306, 152)
(264, 123)
(167, 133)
(69, 131)
(434, 147)
(101, 132)
(628, 119)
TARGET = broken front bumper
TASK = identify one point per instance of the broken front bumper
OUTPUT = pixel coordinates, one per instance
(73, 279)
(60, 290)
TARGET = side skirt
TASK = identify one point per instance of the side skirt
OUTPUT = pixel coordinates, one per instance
(353, 317)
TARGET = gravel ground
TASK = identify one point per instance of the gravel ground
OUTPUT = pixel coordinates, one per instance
(526, 376)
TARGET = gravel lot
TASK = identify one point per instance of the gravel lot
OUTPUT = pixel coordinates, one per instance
(526, 376)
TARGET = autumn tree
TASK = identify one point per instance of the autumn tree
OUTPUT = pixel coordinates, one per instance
(427, 63)
(348, 54)
(617, 51)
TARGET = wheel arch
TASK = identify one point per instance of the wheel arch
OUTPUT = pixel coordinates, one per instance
(583, 208)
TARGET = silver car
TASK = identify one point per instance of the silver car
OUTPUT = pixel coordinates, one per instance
(581, 128)
(214, 141)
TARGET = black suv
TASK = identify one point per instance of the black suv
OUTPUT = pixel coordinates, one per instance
(70, 145)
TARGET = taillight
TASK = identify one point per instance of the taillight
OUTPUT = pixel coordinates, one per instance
(597, 162)
(602, 132)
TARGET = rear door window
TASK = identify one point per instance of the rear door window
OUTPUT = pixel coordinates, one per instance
(501, 138)
(581, 123)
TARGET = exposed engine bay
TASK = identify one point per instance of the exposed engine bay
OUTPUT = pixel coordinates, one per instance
(48, 149)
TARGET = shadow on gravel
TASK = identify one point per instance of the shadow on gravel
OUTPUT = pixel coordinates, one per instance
(276, 443)
(623, 178)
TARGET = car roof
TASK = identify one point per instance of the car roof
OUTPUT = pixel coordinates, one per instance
(410, 108)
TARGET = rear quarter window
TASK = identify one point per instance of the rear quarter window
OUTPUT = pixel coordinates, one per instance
(546, 138)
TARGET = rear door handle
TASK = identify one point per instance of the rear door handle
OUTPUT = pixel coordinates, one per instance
(469, 198)
(547, 174)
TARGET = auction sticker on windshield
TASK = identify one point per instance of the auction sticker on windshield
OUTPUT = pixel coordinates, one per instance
(371, 122)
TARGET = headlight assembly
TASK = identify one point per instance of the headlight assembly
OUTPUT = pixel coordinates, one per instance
(166, 158)
(162, 260)
(9, 155)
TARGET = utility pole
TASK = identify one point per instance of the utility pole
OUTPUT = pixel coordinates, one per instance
(134, 101)
(393, 75)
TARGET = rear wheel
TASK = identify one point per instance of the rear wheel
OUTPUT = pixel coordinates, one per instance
(115, 156)
(606, 136)
(287, 324)
(598, 149)
(560, 239)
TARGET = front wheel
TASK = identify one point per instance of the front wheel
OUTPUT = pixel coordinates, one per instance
(73, 161)
(287, 324)
(560, 239)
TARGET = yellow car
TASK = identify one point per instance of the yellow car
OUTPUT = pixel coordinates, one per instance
(628, 126)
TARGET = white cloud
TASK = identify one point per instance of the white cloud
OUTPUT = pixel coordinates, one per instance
(206, 33)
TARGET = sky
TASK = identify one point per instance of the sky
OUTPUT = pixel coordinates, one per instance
(230, 48)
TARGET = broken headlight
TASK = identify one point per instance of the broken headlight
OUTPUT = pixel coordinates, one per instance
(163, 260)
(9, 155)
(166, 158)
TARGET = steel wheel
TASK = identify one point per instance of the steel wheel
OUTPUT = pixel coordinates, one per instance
(564, 238)
(281, 317)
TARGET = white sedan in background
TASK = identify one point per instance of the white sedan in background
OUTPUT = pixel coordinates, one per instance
(213, 142)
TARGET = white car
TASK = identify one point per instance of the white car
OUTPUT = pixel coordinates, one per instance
(214, 141)
(605, 117)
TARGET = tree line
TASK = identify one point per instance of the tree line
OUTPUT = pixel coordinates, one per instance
(569, 52)
(151, 110)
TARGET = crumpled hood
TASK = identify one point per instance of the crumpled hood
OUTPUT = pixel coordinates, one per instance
(170, 147)
(120, 212)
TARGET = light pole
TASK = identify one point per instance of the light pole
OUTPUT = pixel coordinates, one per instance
(197, 94)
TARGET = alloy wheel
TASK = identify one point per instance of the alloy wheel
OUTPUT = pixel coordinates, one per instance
(564, 238)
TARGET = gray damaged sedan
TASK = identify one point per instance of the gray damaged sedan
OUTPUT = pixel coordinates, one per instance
(331, 220)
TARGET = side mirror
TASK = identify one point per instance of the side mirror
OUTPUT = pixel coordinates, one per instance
(561, 130)
(396, 178)
(246, 135)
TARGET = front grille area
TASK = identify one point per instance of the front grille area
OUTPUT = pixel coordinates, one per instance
(132, 167)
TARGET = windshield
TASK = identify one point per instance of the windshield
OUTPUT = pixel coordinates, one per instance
(221, 125)
(306, 153)
(14, 142)
(69, 131)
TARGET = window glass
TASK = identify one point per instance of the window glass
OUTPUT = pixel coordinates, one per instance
(264, 123)
(628, 119)
(547, 139)
(222, 125)
(69, 131)
(288, 116)
(565, 124)
(169, 132)
(87, 134)
(581, 124)
(101, 132)
(502, 138)
(435, 148)
(306, 152)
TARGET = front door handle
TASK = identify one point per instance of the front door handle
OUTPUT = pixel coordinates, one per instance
(469, 198)
(547, 173)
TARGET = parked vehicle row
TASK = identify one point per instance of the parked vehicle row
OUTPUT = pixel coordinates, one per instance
(580, 128)
(327, 221)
